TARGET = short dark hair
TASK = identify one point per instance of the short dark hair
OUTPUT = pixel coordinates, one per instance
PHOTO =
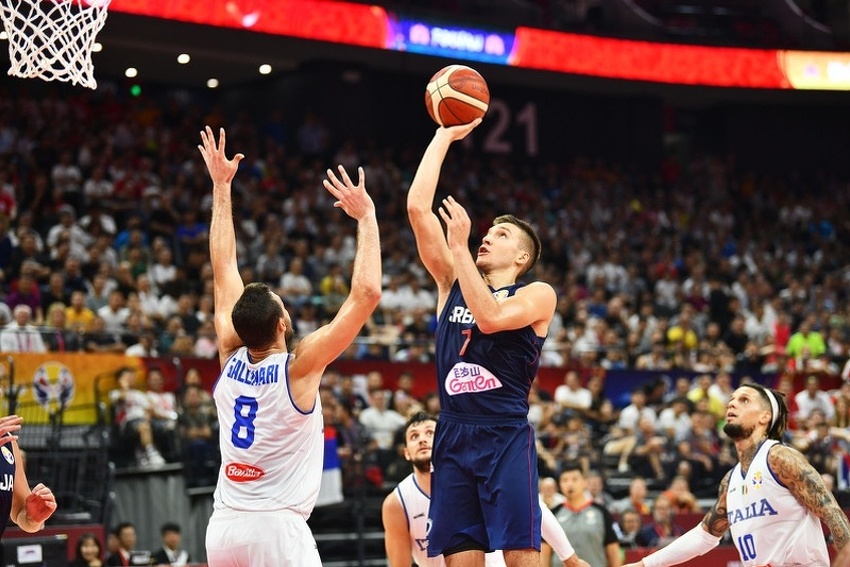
(121, 527)
(572, 466)
(416, 418)
(255, 316)
(169, 527)
(530, 233)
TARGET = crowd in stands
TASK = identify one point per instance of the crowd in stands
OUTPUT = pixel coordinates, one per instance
(700, 268)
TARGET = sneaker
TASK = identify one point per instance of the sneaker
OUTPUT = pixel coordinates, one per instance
(623, 467)
(154, 458)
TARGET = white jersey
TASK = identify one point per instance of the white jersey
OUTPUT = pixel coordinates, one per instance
(271, 450)
(416, 503)
(769, 526)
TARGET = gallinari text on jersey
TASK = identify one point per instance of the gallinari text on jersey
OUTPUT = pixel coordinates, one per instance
(238, 370)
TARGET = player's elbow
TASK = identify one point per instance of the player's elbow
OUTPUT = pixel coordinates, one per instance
(417, 210)
(369, 295)
(488, 326)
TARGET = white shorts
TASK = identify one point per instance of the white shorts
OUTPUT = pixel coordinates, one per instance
(260, 539)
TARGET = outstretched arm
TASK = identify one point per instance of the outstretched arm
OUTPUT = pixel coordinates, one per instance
(805, 483)
(533, 304)
(699, 540)
(227, 282)
(321, 347)
(396, 536)
(430, 241)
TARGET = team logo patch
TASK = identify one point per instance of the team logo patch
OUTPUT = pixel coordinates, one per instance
(8, 455)
(53, 384)
(241, 472)
(501, 294)
(465, 378)
(757, 480)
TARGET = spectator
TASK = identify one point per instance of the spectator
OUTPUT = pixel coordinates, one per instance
(131, 416)
(382, 424)
(571, 395)
(126, 554)
(56, 334)
(661, 530)
(89, 552)
(630, 526)
(170, 552)
(813, 398)
(162, 414)
(20, 335)
(636, 499)
(78, 317)
(680, 497)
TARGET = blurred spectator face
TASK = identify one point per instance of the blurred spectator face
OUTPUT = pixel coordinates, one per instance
(812, 385)
(127, 538)
(172, 539)
(662, 511)
(572, 484)
(155, 380)
(637, 489)
(116, 300)
(127, 378)
(630, 522)
(56, 318)
(192, 397)
(78, 300)
(22, 314)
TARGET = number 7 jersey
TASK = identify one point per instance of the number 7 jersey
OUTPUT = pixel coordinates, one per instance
(271, 450)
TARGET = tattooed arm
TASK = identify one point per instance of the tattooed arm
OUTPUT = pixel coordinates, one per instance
(715, 521)
(805, 483)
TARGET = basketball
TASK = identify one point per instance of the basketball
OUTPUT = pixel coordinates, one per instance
(456, 94)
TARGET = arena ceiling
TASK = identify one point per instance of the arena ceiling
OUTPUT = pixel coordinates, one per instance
(151, 45)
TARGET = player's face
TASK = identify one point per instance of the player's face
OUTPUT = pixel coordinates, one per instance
(500, 247)
(744, 413)
(419, 439)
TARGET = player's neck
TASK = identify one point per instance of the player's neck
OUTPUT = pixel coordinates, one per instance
(500, 278)
(747, 449)
(260, 354)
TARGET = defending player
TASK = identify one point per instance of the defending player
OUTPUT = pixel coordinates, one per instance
(489, 336)
(267, 399)
(773, 500)
(405, 509)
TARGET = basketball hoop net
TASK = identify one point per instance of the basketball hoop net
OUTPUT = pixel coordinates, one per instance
(53, 39)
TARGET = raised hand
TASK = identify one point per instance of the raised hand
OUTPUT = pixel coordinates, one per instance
(40, 504)
(457, 222)
(9, 424)
(351, 198)
(458, 132)
(222, 170)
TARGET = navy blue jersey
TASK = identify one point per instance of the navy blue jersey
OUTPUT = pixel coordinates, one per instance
(7, 483)
(483, 375)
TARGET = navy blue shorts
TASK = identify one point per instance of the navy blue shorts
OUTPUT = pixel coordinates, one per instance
(484, 487)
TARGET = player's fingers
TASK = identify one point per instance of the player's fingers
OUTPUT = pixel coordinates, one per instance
(345, 178)
(444, 214)
(238, 157)
(333, 179)
(221, 137)
(332, 189)
(361, 176)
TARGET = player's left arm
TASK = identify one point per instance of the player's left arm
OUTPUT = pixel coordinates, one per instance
(30, 508)
(533, 304)
(805, 483)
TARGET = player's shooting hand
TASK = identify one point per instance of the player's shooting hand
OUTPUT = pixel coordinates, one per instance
(222, 170)
(459, 132)
(40, 504)
(457, 222)
(351, 198)
(9, 424)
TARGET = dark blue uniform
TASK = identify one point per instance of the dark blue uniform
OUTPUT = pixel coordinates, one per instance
(484, 457)
(7, 483)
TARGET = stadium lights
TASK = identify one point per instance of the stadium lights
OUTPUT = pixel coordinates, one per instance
(183, 58)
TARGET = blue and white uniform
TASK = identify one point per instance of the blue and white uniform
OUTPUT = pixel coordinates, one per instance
(271, 467)
(769, 525)
(484, 457)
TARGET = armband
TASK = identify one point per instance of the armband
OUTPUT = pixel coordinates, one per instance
(687, 546)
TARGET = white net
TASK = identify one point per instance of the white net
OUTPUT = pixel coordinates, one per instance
(53, 39)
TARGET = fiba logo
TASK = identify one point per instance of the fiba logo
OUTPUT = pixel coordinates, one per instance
(53, 382)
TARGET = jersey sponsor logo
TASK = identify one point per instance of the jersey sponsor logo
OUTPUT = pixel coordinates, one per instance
(465, 378)
(238, 370)
(753, 510)
(7, 483)
(241, 472)
(8, 454)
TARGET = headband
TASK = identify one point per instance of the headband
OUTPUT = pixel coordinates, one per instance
(774, 407)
